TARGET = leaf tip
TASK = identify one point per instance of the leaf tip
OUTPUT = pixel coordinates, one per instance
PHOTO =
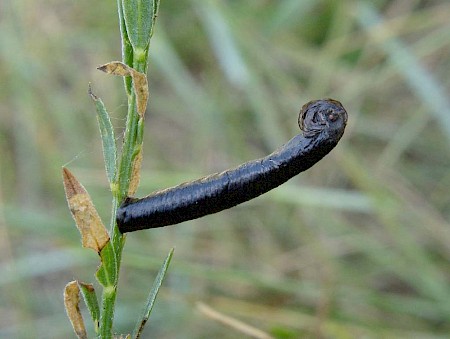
(91, 94)
(71, 184)
(103, 68)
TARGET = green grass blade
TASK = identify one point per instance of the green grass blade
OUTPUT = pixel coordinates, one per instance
(152, 297)
(108, 139)
(424, 85)
(223, 44)
(288, 13)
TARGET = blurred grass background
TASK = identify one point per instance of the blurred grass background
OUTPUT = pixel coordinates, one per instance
(357, 247)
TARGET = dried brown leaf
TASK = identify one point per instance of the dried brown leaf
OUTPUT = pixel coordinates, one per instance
(93, 233)
(135, 174)
(71, 303)
(140, 83)
(116, 68)
(141, 89)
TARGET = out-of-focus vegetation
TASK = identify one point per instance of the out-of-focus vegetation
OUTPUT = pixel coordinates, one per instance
(359, 246)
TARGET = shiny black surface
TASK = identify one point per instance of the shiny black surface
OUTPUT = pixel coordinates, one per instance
(322, 122)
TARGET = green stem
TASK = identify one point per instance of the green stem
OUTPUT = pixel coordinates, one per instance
(118, 240)
(131, 143)
(107, 317)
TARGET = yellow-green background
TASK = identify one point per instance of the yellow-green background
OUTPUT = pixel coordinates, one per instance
(357, 247)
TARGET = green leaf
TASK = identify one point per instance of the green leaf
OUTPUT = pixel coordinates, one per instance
(138, 16)
(107, 134)
(107, 272)
(90, 299)
(127, 50)
(152, 297)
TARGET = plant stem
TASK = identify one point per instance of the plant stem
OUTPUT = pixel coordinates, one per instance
(138, 59)
(118, 240)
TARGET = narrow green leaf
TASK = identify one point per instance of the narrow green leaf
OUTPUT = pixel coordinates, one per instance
(425, 86)
(155, 14)
(107, 134)
(90, 299)
(107, 272)
(127, 50)
(152, 297)
(138, 16)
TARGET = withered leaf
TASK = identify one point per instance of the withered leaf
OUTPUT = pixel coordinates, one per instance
(116, 68)
(93, 233)
(140, 83)
(135, 174)
(71, 303)
(141, 88)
